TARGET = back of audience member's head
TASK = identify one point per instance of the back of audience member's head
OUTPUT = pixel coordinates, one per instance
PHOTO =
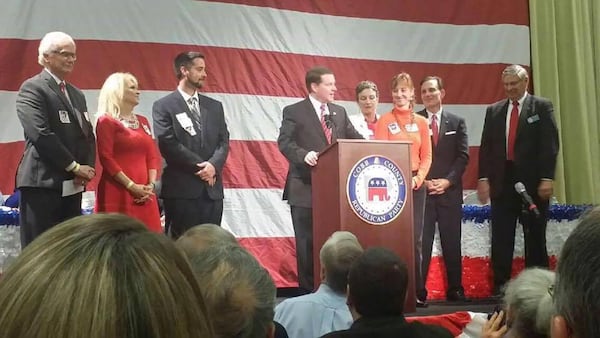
(102, 275)
(377, 283)
(203, 236)
(577, 288)
(337, 255)
(528, 301)
(239, 293)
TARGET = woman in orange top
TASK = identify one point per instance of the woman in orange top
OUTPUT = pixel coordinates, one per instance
(404, 125)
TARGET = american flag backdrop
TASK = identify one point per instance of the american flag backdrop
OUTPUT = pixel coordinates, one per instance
(257, 53)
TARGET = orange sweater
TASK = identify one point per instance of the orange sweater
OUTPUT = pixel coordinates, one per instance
(393, 126)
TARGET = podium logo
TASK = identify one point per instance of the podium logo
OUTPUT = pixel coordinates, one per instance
(376, 190)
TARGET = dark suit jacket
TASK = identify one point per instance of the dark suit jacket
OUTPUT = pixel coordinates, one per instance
(536, 146)
(183, 151)
(52, 144)
(450, 156)
(390, 327)
(300, 133)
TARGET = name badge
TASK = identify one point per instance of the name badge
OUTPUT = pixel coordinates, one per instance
(411, 128)
(533, 118)
(146, 129)
(186, 123)
(394, 128)
(63, 115)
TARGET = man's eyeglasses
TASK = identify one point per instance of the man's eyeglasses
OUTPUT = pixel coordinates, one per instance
(65, 54)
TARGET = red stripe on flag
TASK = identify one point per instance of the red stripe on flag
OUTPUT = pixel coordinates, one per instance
(254, 164)
(250, 165)
(256, 72)
(458, 12)
(11, 154)
(277, 255)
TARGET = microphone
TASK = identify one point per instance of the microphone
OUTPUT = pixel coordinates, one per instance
(520, 188)
(328, 121)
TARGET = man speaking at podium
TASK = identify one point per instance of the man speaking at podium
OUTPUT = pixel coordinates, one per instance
(519, 143)
(308, 127)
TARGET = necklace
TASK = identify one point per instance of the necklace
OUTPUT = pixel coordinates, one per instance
(131, 122)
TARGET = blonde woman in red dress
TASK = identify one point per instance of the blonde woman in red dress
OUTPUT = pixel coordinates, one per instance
(129, 157)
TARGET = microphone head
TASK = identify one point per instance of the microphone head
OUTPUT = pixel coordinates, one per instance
(520, 187)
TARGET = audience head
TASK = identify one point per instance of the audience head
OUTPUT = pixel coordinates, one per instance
(119, 90)
(337, 255)
(203, 236)
(515, 81)
(577, 287)
(57, 52)
(239, 293)
(102, 275)
(320, 83)
(367, 97)
(403, 91)
(528, 303)
(377, 284)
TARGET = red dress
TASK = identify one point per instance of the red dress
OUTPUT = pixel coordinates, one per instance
(134, 152)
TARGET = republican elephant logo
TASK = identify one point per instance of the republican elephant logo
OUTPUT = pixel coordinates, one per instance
(377, 187)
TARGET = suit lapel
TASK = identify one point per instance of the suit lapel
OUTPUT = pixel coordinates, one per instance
(443, 128)
(56, 89)
(525, 113)
(73, 112)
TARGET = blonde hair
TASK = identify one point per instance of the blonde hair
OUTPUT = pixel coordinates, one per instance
(102, 275)
(111, 93)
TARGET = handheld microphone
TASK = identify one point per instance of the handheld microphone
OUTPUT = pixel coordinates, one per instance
(520, 188)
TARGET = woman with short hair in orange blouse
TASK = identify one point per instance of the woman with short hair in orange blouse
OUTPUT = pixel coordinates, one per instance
(402, 124)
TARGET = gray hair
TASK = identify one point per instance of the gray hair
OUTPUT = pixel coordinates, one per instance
(203, 236)
(337, 255)
(238, 291)
(517, 70)
(529, 302)
(577, 290)
(50, 42)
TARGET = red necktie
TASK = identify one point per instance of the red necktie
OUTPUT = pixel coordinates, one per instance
(435, 132)
(326, 130)
(62, 87)
(512, 131)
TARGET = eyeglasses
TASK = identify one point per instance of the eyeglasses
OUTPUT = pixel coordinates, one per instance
(65, 54)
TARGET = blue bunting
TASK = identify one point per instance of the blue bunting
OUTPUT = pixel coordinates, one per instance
(9, 217)
(558, 212)
(475, 213)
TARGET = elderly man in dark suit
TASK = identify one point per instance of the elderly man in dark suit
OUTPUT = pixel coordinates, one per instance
(444, 185)
(60, 148)
(307, 128)
(519, 143)
(194, 141)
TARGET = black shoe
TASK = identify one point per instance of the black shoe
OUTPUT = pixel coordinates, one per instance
(422, 303)
(456, 295)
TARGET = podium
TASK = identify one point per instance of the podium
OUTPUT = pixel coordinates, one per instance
(365, 187)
